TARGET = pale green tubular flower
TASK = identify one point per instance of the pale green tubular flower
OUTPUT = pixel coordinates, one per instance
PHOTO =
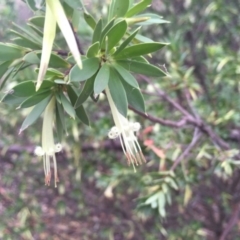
(55, 14)
(125, 131)
(48, 149)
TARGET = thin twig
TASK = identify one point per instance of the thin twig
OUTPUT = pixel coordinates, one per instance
(196, 136)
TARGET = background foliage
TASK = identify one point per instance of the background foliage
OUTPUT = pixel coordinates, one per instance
(99, 196)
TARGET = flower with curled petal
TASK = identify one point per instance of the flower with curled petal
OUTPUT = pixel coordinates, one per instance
(125, 131)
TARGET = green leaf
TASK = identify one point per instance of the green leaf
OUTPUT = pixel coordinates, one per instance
(102, 78)
(89, 20)
(5, 77)
(60, 115)
(134, 97)
(10, 52)
(55, 61)
(137, 8)
(4, 67)
(118, 8)
(116, 33)
(75, 4)
(67, 106)
(118, 93)
(153, 19)
(105, 30)
(142, 39)
(33, 4)
(93, 50)
(97, 32)
(24, 89)
(37, 21)
(86, 92)
(34, 99)
(36, 29)
(126, 76)
(139, 49)
(142, 68)
(35, 113)
(127, 41)
(31, 58)
(26, 42)
(90, 67)
(80, 111)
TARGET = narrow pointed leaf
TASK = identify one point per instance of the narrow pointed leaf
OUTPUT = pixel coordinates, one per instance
(97, 32)
(90, 67)
(126, 76)
(67, 106)
(89, 20)
(153, 19)
(102, 78)
(118, 93)
(35, 113)
(116, 33)
(25, 43)
(137, 8)
(106, 29)
(86, 92)
(36, 98)
(4, 67)
(80, 111)
(134, 97)
(142, 68)
(118, 8)
(127, 41)
(93, 50)
(140, 49)
(10, 52)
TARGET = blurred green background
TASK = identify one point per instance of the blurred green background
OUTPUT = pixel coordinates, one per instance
(99, 196)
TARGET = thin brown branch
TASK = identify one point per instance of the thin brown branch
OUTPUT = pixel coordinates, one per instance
(232, 222)
(196, 137)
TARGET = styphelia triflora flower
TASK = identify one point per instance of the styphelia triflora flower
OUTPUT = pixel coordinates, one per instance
(48, 149)
(125, 131)
(55, 15)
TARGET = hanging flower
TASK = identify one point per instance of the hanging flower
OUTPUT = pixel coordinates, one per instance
(55, 15)
(48, 149)
(125, 131)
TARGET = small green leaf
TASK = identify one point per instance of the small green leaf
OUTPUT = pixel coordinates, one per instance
(118, 93)
(31, 58)
(89, 20)
(80, 111)
(86, 92)
(55, 61)
(90, 67)
(37, 21)
(24, 89)
(35, 113)
(126, 76)
(134, 97)
(60, 81)
(97, 32)
(153, 19)
(5, 77)
(137, 8)
(60, 113)
(34, 99)
(10, 52)
(139, 49)
(105, 30)
(33, 4)
(4, 67)
(75, 4)
(102, 78)
(36, 29)
(142, 68)
(118, 8)
(93, 50)
(127, 41)
(67, 106)
(116, 33)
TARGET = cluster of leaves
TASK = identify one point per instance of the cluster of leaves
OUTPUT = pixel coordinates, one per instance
(116, 50)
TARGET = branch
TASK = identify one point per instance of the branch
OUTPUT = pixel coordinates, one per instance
(232, 222)
(161, 121)
(197, 135)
